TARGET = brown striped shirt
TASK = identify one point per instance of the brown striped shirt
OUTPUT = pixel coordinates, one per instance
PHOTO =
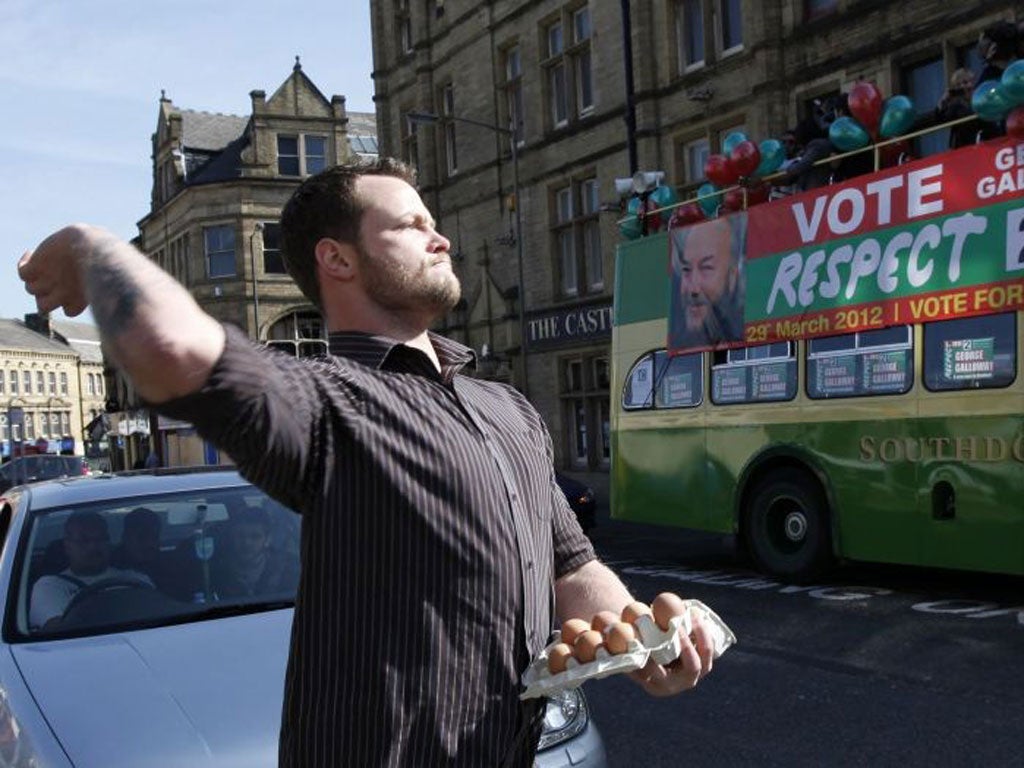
(432, 534)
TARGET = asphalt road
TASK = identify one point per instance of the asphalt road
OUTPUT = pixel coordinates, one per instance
(874, 666)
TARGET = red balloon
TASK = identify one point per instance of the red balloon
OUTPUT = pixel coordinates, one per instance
(1015, 123)
(733, 200)
(865, 102)
(745, 157)
(720, 171)
(686, 214)
(758, 194)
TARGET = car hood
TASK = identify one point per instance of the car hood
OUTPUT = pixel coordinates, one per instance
(201, 694)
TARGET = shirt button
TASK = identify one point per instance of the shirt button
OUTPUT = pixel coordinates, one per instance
(515, 497)
(529, 565)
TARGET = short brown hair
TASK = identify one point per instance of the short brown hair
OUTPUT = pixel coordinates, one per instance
(325, 205)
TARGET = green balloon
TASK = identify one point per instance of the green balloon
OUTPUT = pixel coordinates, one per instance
(663, 196)
(990, 101)
(898, 116)
(731, 141)
(846, 134)
(1013, 82)
(773, 155)
(630, 228)
(709, 201)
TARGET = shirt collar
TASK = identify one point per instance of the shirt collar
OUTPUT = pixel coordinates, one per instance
(372, 350)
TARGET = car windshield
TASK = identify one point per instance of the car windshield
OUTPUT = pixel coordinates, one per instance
(147, 561)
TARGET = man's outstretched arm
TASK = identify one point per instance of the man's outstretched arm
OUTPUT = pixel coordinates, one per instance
(151, 327)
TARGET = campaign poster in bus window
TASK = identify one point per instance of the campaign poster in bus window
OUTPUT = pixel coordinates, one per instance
(676, 390)
(729, 385)
(769, 381)
(708, 288)
(968, 359)
(835, 375)
(885, 371)
(639, 385)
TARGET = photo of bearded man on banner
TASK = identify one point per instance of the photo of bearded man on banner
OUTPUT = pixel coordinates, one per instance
(706, 265)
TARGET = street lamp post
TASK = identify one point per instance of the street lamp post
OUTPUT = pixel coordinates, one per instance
(431, 118)
(258, 229)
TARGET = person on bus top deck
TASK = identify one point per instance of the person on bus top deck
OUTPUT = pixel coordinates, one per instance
(436, 548)
(707, 283)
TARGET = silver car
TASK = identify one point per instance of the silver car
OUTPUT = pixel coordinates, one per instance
(172, 653)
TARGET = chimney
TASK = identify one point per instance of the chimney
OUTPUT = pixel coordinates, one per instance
(40, 323)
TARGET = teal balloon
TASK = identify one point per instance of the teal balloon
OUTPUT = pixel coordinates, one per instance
(898, 117)
(663, 197)
(709, 201)
(630, 228)
(773, 155)
(731, 141)
(1013, 82)
(846, 134)
(990, 101)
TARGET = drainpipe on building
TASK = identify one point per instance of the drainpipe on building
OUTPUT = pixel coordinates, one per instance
(627, 55)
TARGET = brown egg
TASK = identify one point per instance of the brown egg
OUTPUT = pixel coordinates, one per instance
(619, 636)
(586, 645)
(665, 606)
(572, 629)
(634, 611)
(603, 620)
(559, 654)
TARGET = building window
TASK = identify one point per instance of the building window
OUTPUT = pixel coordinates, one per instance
(815, 9)
(63, 383)
(30, 426)
(403, 27)
(220, 250)
(65, 423)
(689, 34)
(54, 424)
(581, 60)
(925, 82)
(26, 383)
(90, 388)
(14, 382)
(447, 112)
(3, 382)
(585, 405)
(557, 94)
(51, 380)
(99, 385)
(577, 238)
(44, 425)
(731, 20)
(40, 386)
(514, 92)
(410, 144)
(273, 262)
(300, 334)
(695, 155)
(312, 158)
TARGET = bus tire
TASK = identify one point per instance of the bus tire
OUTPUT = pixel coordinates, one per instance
(787, 526)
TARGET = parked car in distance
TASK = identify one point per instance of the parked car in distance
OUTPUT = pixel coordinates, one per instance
(41, 466)
(173, 667)
(581, 498)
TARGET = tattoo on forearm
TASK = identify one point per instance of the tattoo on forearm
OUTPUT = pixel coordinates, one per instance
(114, 295)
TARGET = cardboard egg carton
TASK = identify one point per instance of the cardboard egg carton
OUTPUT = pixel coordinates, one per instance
(653, 643)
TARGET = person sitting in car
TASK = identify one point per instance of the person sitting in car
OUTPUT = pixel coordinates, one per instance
(139, 549)
(87, 546)
(251, 566)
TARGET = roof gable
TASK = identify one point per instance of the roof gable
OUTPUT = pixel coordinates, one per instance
(299, 96)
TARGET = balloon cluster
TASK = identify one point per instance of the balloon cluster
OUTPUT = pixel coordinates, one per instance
(644, 214)
(1003, 99)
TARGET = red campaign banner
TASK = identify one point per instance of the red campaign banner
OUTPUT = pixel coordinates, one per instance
(939, 305)
(951, 182)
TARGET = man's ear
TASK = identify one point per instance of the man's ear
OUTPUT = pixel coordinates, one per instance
(335, 259)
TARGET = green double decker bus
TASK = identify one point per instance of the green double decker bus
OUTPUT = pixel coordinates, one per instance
(836, 374)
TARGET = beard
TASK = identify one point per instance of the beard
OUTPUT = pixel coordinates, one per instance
(428, 288)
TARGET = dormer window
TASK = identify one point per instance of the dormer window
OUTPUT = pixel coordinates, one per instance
(301, 155)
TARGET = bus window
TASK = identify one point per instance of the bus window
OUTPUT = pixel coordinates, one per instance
(680, 382)
(754, 374)
(876, 362)
(659, 381)
(970, 353)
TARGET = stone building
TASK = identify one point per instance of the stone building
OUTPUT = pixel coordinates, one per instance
(219, 184)
(51, 382)
(554, 72)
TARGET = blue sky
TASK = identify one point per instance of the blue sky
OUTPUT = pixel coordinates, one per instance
(80, 86)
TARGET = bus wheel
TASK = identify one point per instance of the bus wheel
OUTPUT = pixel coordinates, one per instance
(787, 528)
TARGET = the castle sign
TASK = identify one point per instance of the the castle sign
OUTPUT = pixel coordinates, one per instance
(569, 326)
